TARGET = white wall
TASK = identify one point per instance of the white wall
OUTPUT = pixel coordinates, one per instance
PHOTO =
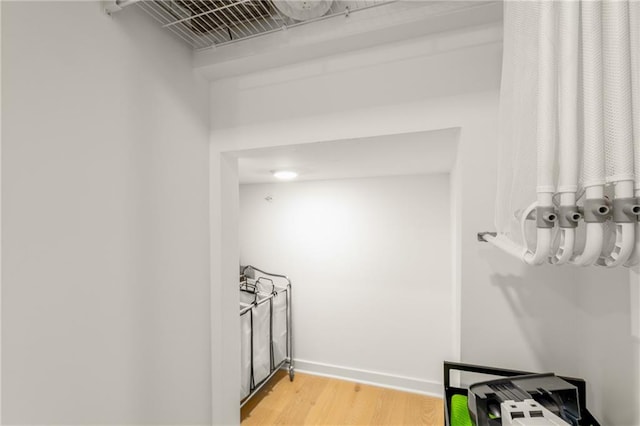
(535, 319)
(105, 281)
(610, 307)
(439, 82)
(370, 261)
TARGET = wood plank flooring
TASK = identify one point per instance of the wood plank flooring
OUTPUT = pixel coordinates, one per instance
(314, 400)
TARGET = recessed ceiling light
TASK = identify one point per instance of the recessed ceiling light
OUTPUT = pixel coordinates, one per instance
(285, 174)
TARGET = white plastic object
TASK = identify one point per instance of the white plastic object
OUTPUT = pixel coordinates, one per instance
(507, 245)
(634, 33)
(593, 158)
(633, 259)
(594, 233)
(618, 120)
(634, 37)
(543, 246)
(546, 132)
(625, 233)
(568, 120)
(546, 106)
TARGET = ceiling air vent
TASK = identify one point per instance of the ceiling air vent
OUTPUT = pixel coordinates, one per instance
(303, 10)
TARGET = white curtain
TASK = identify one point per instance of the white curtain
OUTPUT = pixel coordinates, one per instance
(570, 124)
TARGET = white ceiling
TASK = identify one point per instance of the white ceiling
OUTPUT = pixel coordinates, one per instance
(389, 155)
(391, 23)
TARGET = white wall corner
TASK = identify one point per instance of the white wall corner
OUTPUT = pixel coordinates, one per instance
(225, 323)
(634, 292)
(455, 189)
(0, 217)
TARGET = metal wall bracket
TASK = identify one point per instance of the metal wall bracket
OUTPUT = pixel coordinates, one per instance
(113, 6)
(625, 210)
(482, 234)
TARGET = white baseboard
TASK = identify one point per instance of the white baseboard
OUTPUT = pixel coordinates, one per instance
(385, 380)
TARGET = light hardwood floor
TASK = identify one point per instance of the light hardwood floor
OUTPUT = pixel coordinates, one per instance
(314, 400)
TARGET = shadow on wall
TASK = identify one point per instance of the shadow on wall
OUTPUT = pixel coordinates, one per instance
(612, 352)
(577, 322)
(544, 306)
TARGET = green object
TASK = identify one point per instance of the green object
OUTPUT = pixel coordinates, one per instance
(460, 411)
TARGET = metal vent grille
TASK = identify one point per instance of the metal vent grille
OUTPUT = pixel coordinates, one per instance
(207, 23)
